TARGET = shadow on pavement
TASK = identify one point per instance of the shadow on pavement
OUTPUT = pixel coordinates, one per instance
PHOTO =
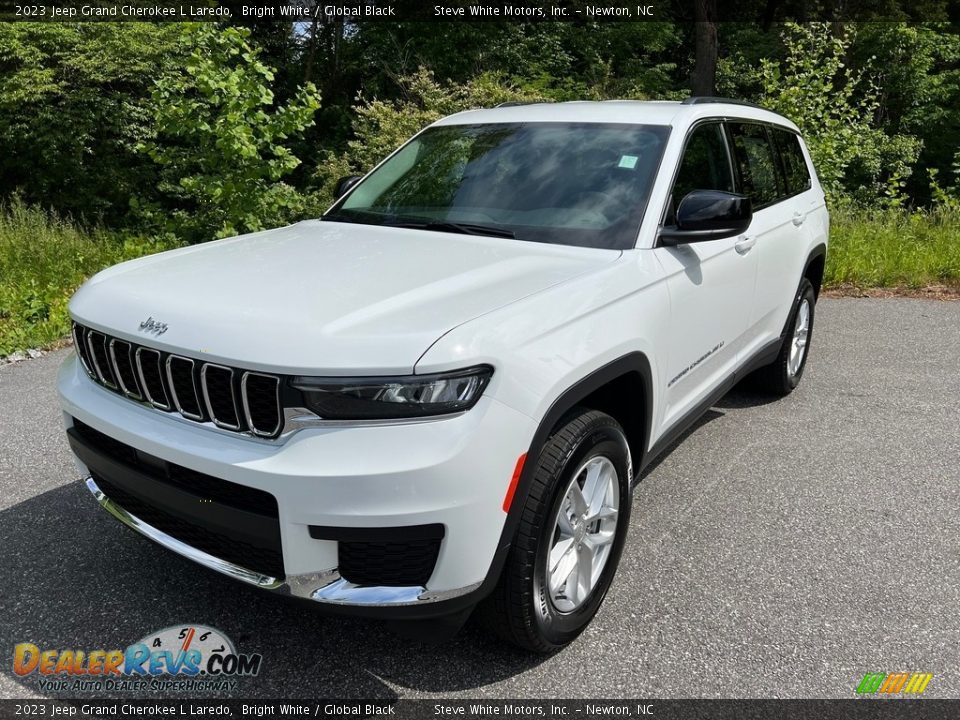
(75, 578)
(745, 395)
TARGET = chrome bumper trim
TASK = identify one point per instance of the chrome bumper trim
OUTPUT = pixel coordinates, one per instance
(322, 587)
(181, 548)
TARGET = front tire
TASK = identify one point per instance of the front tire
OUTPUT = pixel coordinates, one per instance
(783, 375)
(571, 534)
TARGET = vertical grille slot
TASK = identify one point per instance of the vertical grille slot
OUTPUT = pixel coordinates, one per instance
(261, 403)
(218, 395)
(183, 387)
(97, 344)
(122, 355)
(150, 371)
(80, 345)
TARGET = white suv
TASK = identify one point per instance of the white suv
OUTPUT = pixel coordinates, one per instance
(442, 391)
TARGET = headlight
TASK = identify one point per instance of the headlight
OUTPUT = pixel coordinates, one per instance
(394, 397)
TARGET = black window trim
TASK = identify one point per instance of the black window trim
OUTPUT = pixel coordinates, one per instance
(783, 167)
(778, 159)
(717, 120)
(725, 121)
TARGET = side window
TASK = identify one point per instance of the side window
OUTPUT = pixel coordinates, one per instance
(756, 162)
(794, 165)
(704, 166)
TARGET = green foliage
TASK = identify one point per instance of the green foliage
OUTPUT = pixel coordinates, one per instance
(380, 127)
(835, 106)
(916, 70)
(947, 195)
(72, 109)
(43, 259)
(220, 140)
(892, 248)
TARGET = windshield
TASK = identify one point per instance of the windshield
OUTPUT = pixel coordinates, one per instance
(582, 184)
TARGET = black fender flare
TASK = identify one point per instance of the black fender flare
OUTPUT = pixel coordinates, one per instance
(819, 251)
(634, 362)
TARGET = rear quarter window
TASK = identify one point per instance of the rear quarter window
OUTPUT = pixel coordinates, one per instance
(794, 163)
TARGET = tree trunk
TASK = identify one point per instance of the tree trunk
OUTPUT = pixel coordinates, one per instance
(311, 52)
(703, 81)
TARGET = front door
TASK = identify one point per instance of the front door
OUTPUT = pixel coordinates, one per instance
(711, 284)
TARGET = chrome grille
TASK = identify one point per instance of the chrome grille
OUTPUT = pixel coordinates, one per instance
(97, 343)
(121, 354)
(183, 387)
(230, 398)
(219, 397)
(261, 402)
(150, 373)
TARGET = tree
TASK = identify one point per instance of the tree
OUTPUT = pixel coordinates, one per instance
(220, 140)
(835, 106)
(73, 107)
(380, 127)
(703, 80)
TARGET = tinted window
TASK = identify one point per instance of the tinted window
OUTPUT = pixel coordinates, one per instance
(705, 165)
(794, 164)
(568, 183)
(753, 154)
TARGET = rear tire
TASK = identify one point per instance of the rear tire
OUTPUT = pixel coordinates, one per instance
(571, 534)
(784, 374)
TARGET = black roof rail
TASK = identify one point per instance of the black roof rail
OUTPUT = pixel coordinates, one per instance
(705, 99)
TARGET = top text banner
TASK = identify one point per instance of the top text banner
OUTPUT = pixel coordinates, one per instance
(307, 11)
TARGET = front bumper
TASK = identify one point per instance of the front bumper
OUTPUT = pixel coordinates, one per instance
(452, 472)
(326, 587)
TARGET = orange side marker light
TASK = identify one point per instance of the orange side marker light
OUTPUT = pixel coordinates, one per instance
(512, 488)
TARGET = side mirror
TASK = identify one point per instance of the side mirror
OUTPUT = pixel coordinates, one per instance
(344, 184)
(708, 215)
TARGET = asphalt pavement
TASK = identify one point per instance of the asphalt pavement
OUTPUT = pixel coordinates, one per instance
(782, 549)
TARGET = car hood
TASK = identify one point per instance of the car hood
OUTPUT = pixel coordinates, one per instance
(322, 297)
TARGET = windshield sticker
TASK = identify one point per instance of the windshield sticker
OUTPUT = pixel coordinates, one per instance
(628, 161)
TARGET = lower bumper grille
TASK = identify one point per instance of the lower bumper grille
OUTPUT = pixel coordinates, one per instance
(264, 560)
(385, 557)
(234, 522)
(398, 564)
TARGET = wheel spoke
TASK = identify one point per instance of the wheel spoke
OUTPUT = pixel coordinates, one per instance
(598, 539)
(558, 552)
(564, 568)
(564, 524)
(577, 500)
(605, 513)
(595, 488)
(585, 573)
(804, 317)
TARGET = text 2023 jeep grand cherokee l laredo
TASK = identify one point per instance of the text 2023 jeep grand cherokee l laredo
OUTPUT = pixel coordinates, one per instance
(442, 391)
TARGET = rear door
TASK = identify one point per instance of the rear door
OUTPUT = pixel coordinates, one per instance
(760, 176)
(782, 257)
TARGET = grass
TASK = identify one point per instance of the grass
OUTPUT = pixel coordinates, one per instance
(44, 258)
(894, 249)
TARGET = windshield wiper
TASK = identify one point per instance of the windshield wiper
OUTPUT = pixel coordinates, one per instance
(462, 228)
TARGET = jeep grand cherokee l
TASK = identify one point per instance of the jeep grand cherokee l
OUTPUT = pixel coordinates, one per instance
(440, 393)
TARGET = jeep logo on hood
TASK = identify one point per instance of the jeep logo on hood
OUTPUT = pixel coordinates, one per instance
(153, 326)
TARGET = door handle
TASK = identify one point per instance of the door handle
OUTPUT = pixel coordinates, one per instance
(744, 243)
(798, 218)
